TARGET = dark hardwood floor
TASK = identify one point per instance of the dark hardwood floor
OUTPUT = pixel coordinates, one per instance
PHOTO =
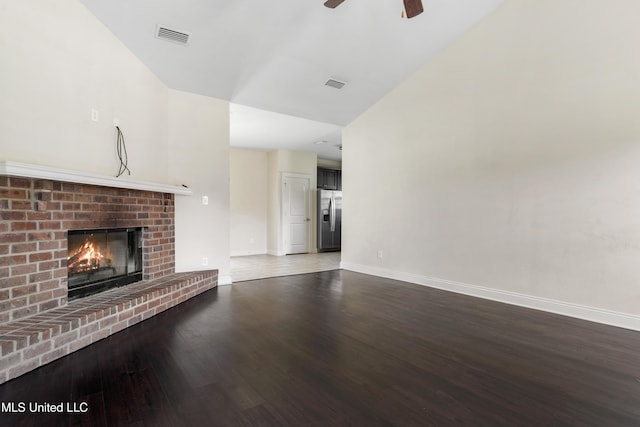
(340, 348)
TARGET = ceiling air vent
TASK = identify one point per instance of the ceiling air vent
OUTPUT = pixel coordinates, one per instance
(172, 35)
(334, 83)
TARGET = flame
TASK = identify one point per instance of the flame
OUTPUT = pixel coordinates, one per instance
(85, 258)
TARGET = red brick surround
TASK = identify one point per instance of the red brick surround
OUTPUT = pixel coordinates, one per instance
(37, 324)
(35, 215)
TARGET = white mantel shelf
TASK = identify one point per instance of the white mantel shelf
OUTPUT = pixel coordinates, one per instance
(44, 172)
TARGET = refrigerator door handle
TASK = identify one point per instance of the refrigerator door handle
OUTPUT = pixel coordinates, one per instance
(333, 214)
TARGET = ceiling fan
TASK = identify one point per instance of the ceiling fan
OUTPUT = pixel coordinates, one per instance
(412, 7)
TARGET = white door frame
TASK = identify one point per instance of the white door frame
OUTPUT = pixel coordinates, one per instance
(283, 229)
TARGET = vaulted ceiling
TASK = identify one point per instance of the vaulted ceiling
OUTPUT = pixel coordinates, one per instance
(271, 59)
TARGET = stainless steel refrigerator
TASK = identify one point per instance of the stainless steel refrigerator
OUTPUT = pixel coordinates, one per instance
(329, 220)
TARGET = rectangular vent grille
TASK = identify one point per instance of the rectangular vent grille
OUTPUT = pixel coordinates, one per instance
(334, 83)
(172, 35)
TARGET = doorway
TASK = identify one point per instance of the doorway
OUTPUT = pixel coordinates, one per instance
(296, 213)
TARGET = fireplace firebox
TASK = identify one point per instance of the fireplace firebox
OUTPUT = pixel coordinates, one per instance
(102, 259)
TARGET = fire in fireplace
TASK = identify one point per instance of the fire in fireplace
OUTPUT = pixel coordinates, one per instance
(87, 258)
(102, 259)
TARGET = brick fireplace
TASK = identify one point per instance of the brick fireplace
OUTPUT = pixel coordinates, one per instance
(35, 216)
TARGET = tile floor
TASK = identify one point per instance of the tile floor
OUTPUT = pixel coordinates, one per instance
(253, 267)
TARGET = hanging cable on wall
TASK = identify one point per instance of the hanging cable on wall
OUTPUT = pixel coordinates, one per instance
(121, 150)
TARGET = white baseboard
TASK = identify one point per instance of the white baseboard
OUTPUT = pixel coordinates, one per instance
(248, 253)
(276, 252)
(224, 280)
(593, 314)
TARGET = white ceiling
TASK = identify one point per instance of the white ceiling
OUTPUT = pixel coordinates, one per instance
(265, 130)
(275, 57)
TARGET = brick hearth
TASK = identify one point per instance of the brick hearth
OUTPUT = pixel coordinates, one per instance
(37, 340)
(35, 216)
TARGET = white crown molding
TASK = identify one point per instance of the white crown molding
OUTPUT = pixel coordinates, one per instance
(25, 170)
(593, 314)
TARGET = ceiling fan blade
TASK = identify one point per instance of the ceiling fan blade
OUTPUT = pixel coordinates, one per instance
(413, 7)
(333, 3)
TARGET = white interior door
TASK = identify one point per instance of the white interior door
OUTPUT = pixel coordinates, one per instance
(296, 213)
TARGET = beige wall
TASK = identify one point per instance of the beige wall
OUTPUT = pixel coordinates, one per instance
(508, 166)
(199, 153)
(59, 62)
(248, 202)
